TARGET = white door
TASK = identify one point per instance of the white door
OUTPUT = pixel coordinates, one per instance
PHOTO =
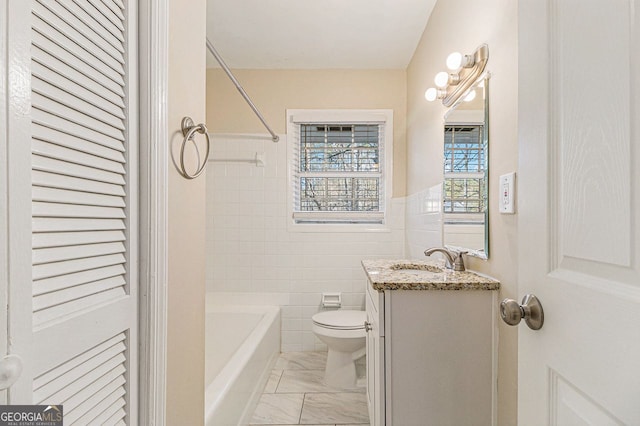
(579, 212)
(71, 201)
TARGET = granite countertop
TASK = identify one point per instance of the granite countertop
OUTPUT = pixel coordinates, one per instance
(403, 274)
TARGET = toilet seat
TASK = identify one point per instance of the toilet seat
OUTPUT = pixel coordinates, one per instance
(340, 319)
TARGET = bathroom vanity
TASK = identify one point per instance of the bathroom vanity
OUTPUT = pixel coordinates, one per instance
(431, 345)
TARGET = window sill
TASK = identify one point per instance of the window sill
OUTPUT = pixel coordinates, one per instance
(329, 228)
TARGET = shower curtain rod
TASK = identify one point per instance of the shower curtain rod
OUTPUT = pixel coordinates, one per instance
(226, 69)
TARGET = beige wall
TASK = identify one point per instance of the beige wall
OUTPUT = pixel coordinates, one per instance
(185, 357)
(275, 91)
(462, 25)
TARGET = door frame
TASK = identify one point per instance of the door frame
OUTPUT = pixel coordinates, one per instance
(153, 184)
(4, 226)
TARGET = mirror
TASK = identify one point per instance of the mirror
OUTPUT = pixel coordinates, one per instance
(466, 173)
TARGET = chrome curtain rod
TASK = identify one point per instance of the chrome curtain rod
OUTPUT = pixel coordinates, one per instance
(226, 69)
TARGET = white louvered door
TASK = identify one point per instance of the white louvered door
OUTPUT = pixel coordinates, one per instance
(78, 337)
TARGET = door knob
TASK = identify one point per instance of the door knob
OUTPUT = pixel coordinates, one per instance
(367, 326)
(531, 310)
(10, 370)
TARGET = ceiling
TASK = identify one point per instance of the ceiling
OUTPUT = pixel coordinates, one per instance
(316, 34)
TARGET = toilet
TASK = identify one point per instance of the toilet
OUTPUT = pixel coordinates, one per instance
(344, 334)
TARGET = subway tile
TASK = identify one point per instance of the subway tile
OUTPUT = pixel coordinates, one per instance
(291, 324)
(286, 347)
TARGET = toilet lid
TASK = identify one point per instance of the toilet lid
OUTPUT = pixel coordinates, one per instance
(341, 319)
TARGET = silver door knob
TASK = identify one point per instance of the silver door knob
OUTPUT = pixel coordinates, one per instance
(367, 326)
(531, 310)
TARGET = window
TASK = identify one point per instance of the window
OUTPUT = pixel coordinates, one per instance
(464, 169)
(340, 166)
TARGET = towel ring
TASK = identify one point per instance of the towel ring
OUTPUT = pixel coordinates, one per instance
(189, 130)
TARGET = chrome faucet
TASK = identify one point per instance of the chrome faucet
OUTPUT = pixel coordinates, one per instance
(453, 259)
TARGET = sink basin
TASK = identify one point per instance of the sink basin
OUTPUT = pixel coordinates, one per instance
(416, 267)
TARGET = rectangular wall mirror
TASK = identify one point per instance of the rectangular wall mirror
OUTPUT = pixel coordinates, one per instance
(466, 173)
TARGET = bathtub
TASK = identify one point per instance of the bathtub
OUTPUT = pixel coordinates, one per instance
(242, 344)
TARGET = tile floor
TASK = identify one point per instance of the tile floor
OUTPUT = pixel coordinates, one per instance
(296, 395)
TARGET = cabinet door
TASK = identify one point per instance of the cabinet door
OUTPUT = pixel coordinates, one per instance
(375, 364)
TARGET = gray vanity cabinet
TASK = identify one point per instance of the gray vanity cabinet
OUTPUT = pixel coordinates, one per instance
(431, 357)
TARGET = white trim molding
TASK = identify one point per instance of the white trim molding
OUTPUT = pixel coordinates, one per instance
(4, 200)
(154, 172)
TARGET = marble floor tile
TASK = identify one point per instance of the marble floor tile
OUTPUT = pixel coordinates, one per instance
(272, 383)
(301, 361)
(328, 408)
(275, 409)
(301, 381)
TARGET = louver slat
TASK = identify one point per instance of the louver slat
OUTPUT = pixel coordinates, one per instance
(50, 150)
(66, 182)
(48, 11)
(107, 13)
(95, 25)
(115, 8)
(69, 211)
(83, 34)
(71, 67)
(65, 386)
(116, 404)
(116, 419)
(63, 196)
(46, 28)
(41, 86)
(89, 405)
(60, 239)
(59, 225)
(120, 4)
(106, 23)
(48, 105)
(50, 120)
(64, 168)
(56, 137)
(78, 292)
(54, 373)
(60, 254)
(52, 284)
(47, 68)
(72, 266)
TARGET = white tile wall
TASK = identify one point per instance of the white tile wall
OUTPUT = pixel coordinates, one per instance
(423, 221)
(250, 250)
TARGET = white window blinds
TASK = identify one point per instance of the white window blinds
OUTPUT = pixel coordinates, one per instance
(339, 172)
(464, 169)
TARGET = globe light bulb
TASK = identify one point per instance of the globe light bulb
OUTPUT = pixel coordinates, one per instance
(431, 94)
(454, 61)
(442, 79)
(471, 96)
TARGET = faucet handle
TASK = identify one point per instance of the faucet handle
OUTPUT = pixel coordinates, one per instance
(458, 262)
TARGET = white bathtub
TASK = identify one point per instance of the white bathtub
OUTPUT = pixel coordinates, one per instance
(242, 345)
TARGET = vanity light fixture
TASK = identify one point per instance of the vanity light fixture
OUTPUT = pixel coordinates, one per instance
(466, 71)
(457, 60)
(432, 94)
(470, 96)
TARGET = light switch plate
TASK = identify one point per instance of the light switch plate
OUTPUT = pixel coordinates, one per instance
(507, 193)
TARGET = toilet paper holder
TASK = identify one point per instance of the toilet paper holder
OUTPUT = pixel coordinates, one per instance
(331, 300)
